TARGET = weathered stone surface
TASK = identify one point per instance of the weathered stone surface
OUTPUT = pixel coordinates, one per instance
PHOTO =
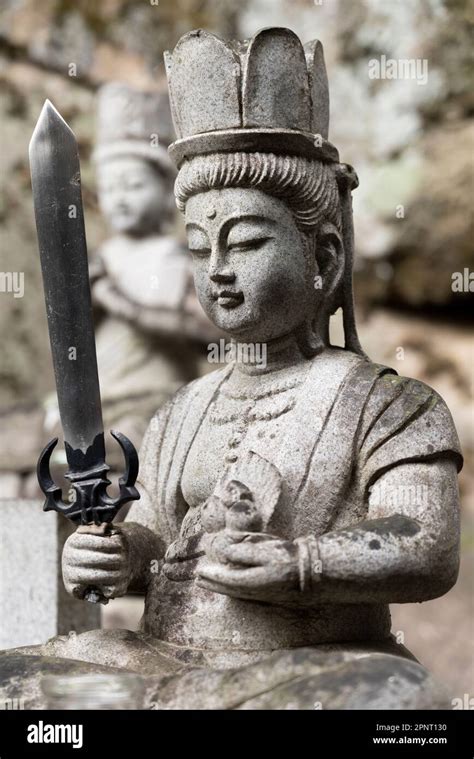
(409, 140)
(22, 675)
(10, 485)
(290, 680)
(107, 43)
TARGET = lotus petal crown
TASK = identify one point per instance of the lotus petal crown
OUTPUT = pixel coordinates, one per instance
(267, 94)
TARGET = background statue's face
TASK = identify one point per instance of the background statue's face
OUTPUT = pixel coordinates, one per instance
(132, 195)
(250, 269)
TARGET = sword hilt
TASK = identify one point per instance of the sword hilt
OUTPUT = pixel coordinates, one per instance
(91, 504)
(92, 594)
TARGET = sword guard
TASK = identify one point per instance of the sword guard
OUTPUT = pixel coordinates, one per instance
(92, 504)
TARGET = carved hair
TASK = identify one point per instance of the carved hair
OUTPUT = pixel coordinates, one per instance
(307, 186)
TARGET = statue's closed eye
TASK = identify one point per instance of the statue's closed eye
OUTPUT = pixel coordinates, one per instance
(251, 244)
(200, 252)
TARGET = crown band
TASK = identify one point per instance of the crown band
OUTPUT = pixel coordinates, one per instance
(279, 141)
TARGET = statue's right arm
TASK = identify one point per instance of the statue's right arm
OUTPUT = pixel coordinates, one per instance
(141, 528)
(126, 560)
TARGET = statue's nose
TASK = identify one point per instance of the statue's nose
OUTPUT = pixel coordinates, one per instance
(222, 276)
(219, 270)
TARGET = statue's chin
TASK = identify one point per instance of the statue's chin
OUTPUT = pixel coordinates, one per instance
(234, 320)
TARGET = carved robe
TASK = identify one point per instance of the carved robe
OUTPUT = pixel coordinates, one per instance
(352, 420)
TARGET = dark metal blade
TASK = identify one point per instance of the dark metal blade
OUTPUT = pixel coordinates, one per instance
(56, 181)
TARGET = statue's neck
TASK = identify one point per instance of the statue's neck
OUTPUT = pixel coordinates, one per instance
(266, 358)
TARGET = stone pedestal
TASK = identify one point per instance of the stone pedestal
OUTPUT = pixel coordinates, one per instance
(33, 603)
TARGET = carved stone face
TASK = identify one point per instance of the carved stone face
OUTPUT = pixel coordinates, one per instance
(132, 195)
(250, 269)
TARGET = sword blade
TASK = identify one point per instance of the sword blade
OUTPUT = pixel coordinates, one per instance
(56, 182)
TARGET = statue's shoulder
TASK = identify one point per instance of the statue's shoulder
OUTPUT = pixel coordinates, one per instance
(391, 385)
(394, 417)
(205, 384)
(348, 370)
(406, 417)
(382, 382)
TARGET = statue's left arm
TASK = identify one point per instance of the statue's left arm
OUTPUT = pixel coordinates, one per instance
(405, 545)
(406, 550)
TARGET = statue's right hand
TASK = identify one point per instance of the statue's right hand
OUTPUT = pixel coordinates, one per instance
(99, 561)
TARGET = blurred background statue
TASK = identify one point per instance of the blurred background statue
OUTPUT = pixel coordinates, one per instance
(152, 331)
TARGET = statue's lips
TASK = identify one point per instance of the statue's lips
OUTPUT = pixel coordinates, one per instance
(229, 298)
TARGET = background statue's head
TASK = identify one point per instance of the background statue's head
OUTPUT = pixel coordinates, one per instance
(265, 199)
(134, 173)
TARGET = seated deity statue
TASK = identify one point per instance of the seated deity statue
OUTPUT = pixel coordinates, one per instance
(289, 497)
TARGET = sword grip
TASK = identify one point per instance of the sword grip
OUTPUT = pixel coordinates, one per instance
(92, 594)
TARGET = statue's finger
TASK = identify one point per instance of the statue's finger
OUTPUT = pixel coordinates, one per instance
(86, 558)
(95, 542)
(241, 553)
(86, 577)
(233, 578)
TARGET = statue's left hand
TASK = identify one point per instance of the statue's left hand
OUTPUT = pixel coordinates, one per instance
(251, 566)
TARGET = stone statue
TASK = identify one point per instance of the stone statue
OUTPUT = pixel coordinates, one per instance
(286, 503)
(150, 341)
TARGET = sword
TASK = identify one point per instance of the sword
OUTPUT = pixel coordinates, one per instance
(56, 183)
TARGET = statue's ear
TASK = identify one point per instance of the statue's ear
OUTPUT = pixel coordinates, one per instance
(330, 262)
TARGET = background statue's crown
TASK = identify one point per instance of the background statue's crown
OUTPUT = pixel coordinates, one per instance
(133, 122)
(268, 94)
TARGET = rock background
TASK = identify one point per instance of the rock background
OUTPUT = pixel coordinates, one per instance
(412, 147)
